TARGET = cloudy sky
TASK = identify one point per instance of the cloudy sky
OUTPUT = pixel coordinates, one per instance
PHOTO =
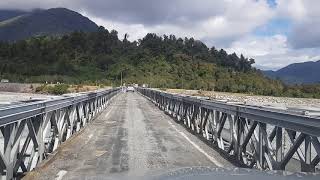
(274, 32)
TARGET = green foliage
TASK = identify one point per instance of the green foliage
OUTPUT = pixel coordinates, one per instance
(58, 89)
(304, 91)
(159, 61)
(41, 88)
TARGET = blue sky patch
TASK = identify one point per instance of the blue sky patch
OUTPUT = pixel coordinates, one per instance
(273, 27)
(272, 3)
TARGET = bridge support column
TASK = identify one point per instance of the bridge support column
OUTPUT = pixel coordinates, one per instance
(306, 166)
(261, 146)
(279, 147)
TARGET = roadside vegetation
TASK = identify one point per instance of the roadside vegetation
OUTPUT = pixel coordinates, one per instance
(159, 61)
(57, 89)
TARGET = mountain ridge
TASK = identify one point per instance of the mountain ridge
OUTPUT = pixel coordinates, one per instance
(54, 21)
(8, 14)
(298, 73)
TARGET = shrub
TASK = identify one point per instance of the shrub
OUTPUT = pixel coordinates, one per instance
(41, 88)
(58, 89)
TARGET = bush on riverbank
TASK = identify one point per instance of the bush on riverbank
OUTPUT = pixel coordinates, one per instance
(58, 89)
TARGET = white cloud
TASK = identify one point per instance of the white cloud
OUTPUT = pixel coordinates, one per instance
(305, 17)
(294, 9)
(135, 31)
(232, 30)
(260, 46)
(223, 23)
(233, 20)
(272, 52)
(213, 21)
(275, 62)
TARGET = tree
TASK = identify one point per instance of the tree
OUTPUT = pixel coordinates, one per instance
(164, 61)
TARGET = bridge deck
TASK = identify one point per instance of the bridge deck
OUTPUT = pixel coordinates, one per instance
(131, 137)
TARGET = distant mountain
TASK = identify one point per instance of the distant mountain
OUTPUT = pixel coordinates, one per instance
(57, 21)
(8, 14)
(298, 73)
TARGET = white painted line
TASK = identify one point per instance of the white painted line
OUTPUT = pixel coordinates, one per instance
(212, 159)
(108, 112)
(109, 109)
(61, 174)
(89, 137)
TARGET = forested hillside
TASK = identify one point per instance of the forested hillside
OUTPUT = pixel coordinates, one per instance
(164, 61)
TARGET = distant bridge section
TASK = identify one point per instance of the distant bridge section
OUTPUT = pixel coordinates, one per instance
(253, 136)
(31, 132)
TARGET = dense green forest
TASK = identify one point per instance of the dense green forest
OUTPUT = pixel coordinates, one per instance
(160, 61)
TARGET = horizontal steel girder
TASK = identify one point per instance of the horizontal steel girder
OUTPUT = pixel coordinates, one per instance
(32, 131)
(255, 137)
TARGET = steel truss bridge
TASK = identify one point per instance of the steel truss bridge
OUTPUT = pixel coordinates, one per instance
(253, 137)
(31, 132)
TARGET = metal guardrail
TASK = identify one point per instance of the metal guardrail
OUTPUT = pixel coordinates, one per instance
(252, 136)
(30, 132)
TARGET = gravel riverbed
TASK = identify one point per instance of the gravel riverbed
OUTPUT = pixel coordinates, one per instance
(306, 104)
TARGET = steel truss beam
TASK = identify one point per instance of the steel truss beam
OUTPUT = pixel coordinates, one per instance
(255, 137)
(30, 132)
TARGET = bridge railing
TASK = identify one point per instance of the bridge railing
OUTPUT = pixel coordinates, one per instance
(252, 136)
(30, 132)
